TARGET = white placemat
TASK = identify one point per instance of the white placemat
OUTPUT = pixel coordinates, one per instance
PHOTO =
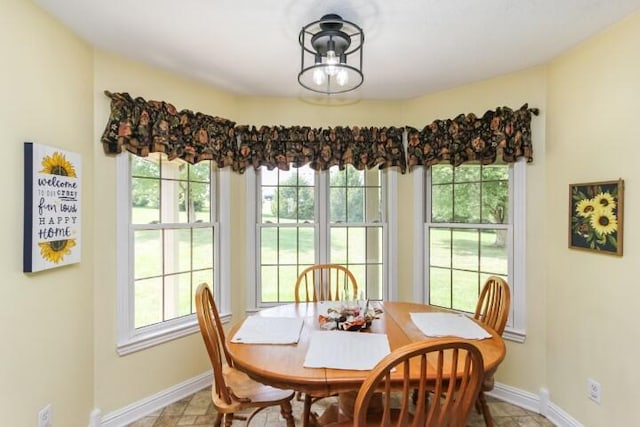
(448, 324)
(269, 330)
(346, 350)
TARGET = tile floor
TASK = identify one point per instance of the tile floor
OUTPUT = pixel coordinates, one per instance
(197, 411)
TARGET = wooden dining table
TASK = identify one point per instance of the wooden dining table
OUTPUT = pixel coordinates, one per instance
(281, 365)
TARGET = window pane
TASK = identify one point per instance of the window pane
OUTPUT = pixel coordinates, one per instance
(306, 246)
(200, 172)
(355, 204)
(144, 166)
(466, 199)
(145, 201)
(495, 172)
(373, 287)
(202, 248)
(495, 202)
(441, 174)
(287, 276)
(465, 249)
(293, 200)
(164, 193)
(461, 259)
(177, 251)
(268, 211)
(465, 290)
(177, 295)
(356, 239)
(147, 245)
(338, 200)
(442, 203)
(199, 207)
(440, 247)
(338, 245)
(269, 243)
(440, 287)
(466, 173)
(202, 276)
(269, 280)
(493, 252)
(353, 197)
(148, 302)
(373, 204)
(359, 271)
(374, 245)
(172, 204)
(288, 246)
(305, 204)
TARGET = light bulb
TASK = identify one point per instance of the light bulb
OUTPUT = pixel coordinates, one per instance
(343, 77)
(318, 76)
(331, 61)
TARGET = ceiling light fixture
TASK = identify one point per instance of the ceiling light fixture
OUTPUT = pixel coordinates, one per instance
(327, 46)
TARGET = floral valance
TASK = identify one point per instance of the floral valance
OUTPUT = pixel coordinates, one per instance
(142, 127)
(279, 147)
(503, 132)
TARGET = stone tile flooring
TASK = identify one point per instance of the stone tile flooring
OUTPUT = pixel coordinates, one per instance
(197, 411)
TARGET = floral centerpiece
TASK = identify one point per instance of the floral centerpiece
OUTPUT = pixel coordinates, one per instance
(348, 316)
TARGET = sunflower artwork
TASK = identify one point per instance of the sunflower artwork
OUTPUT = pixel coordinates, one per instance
(52, 208)
(595, 216)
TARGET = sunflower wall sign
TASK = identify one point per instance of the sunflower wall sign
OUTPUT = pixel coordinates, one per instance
(51, 207)
(595, 216)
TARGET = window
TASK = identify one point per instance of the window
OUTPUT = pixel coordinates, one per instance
(305, 217)
(470, 217)
(171, 247)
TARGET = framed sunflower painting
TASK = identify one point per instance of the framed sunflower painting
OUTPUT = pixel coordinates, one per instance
(595, 216)
(51, 207)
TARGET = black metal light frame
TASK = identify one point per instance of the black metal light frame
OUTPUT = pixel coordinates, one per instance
(345, 38)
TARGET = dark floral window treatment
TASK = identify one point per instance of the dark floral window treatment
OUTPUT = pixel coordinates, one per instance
(503, 132)
(142, 127)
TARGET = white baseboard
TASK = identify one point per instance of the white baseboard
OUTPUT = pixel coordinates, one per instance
(536, 403)
(133, 412)
(122, 417)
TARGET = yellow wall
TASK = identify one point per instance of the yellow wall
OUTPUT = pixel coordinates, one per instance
(59, 327)
(592, 300)
(123, 380)
(46, 318)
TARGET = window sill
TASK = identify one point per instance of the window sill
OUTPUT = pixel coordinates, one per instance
(159, 334)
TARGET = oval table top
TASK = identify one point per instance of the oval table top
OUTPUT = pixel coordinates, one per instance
(282, 365)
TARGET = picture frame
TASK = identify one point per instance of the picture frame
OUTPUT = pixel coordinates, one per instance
(596, 216)
(52, 207)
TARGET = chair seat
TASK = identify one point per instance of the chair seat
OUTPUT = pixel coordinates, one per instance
(233, 391)
(245, 390)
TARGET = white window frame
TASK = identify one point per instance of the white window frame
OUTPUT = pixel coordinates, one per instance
(131, 339)
(389, 191)
(516, 325)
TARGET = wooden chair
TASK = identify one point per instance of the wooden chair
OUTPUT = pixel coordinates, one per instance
(233, 391)
(492, 310)
(429, 360)
(322, 282)
(325, 282)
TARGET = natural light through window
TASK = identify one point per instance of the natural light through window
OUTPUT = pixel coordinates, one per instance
(306, 218)
(469, 229)
(172, 242)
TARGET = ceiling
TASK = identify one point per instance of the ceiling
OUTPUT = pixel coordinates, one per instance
(411, 48)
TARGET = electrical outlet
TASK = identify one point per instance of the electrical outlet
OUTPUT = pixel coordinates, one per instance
(44, 417)
(593, 390)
